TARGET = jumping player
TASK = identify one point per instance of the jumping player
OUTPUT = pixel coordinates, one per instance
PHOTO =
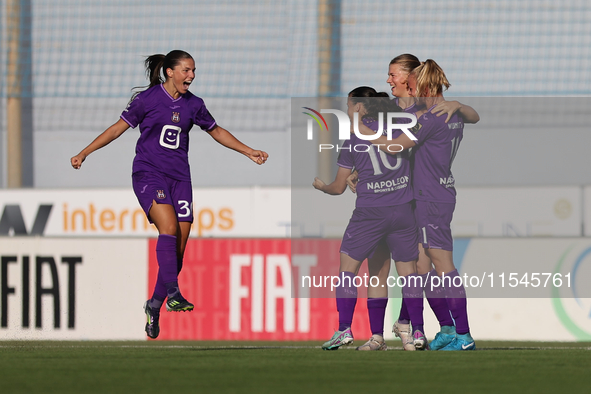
(165, 113)
(383, 213)
(433, 153)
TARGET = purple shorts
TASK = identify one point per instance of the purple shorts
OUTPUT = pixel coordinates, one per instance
(150, 186)
(434, 223)
(369, 226)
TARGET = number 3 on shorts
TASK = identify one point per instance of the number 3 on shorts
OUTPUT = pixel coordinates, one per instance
(184, 208)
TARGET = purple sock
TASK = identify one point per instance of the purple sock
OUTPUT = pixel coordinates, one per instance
(404, 317)
(172, 289)
(456, 301)
(167, 258)
(413, 294)
(156, 301)
(346, 294)
(436, 298)
(159, 294)
(376, 308)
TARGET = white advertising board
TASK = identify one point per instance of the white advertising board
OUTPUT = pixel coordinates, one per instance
(93, 289)
(480, 212)
(73, 288)
(517, 287)
(281, 212)
(587, 210)
(232, 212)
(518, 212)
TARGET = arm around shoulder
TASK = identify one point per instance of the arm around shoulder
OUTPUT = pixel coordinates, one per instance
(393, 146)
(468, 113)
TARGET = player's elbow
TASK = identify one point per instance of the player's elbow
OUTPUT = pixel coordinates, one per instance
(340, 189)
(216, 133)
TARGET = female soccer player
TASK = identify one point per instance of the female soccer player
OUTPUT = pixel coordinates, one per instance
(165, 112)
(398, 71)
(383, 213)
(436, 146)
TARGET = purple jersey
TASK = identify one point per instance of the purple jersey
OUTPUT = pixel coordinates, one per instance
(165, 123)
(384, 179)
(436, 147)
(410, 109)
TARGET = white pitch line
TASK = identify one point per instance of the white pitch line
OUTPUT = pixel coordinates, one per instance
(254, 347)
(153, 347)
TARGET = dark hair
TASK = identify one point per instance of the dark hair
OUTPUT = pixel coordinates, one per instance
(373, 101)
(159, 63)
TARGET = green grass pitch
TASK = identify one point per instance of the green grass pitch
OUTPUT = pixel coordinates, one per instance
(289, 367)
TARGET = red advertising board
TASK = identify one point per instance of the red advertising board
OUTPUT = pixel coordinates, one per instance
(243, 290)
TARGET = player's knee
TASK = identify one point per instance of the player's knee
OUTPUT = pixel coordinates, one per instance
(168, 229)
(423, 266)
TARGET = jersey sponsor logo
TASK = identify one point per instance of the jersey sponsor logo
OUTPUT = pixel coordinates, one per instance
(170, 137)
(455, 125)
(388, 185)
(176, 117)
(416, 128)
(447, 182)
(160, 194)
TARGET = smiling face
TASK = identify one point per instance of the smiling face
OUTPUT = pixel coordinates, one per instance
(179, 78)
(397, 78)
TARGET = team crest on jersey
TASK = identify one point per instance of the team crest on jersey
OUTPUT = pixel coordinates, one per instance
(160, 194)
(176, 117)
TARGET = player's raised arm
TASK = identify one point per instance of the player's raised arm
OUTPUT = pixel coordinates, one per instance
(226, 138)
(105, 138)
(338, 186)
(468, 113)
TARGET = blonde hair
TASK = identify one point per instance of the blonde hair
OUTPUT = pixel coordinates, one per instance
(430, 79)
(406, 61)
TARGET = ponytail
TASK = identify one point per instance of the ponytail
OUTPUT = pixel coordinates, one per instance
(153, 65)
(156, 65)
(430, 79)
